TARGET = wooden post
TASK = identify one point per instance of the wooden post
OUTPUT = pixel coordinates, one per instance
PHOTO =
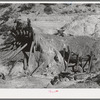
(84, 65)
(66, 66)
(90, 61)
(32, 46)
(25, 61)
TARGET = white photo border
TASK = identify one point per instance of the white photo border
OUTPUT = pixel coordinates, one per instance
(45, 93)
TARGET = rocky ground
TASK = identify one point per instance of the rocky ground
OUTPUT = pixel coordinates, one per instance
(76, 20)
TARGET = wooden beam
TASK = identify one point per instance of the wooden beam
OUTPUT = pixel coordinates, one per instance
(18, 51)
(13, 54)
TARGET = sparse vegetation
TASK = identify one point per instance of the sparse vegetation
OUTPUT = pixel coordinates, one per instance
(60, 41)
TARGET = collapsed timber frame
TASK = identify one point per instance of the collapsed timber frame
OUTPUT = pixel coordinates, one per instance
(33, 40)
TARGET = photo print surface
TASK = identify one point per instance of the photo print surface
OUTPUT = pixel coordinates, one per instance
(50, 45)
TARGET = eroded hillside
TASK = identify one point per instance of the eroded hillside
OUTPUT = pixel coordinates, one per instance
(67, 49)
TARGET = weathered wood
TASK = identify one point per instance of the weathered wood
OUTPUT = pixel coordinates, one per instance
(18, 51)
(14, 53)
(6, 54)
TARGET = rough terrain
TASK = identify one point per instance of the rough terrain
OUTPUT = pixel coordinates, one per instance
(75, 19)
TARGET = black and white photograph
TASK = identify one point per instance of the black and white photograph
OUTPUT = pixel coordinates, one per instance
(49, 45)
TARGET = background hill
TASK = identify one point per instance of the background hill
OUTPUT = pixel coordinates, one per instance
(50, 17)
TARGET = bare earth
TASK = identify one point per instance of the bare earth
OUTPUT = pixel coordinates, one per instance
(85, 24)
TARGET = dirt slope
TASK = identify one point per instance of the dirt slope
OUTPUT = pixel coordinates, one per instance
(77, 19)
